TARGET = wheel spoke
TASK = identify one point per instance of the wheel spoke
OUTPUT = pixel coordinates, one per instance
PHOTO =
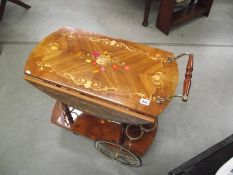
(118, 153)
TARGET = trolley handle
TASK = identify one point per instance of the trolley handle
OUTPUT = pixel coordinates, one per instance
(188, 77)
(187, 81)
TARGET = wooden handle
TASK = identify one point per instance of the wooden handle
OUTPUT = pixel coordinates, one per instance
(188, 77)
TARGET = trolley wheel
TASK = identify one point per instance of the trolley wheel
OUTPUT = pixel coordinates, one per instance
(118, 154)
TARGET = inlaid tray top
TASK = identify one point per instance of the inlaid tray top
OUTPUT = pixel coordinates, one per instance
(113, 70)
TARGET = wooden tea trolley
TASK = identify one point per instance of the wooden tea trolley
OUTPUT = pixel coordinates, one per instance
(109, 90)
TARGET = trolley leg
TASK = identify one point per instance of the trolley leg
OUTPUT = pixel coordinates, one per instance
(122, 136)
(67, 112)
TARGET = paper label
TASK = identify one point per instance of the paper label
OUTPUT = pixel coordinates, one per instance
(144, 101)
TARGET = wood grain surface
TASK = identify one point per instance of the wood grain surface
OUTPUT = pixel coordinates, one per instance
(92, 106)
(122, 73)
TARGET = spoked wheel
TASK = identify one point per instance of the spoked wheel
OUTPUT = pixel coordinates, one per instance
(118, 154)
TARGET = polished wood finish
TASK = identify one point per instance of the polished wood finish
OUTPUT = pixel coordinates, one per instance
(188, 76)
(18, 2)
(97, 129)
(91, 105)
(87, 125)
(73, 65)
(167, 18)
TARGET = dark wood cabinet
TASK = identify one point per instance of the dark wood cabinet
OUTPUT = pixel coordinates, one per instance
(168, 17)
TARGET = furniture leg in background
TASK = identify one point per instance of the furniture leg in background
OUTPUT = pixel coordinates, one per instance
(146, 13)
(17, 2)
(2, 8)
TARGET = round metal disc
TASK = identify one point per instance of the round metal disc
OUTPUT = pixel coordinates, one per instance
(118, 153)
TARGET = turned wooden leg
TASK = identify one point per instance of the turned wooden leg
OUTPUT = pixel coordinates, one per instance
(20, 3)
(122, 135)
(2, 8)
(146, 13)
(67, 112)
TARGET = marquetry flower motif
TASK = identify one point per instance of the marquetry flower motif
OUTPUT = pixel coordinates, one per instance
(45, 66)
(52, 47)
(69, 35)
(89, 83)
(112, 43)
(158, 79)
(103, 60)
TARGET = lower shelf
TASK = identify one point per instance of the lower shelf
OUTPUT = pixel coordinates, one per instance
(97, 129)
(188, 13)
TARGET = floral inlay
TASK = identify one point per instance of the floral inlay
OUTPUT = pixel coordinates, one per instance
(98, 86)
(52, 47)
(89, 83)
(158, 79)
(103, 60)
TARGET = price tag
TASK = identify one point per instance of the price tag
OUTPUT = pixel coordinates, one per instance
(144, 101)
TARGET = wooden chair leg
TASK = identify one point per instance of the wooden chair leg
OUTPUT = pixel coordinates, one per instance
(146, 13)
(2, 8)
(20, 3)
